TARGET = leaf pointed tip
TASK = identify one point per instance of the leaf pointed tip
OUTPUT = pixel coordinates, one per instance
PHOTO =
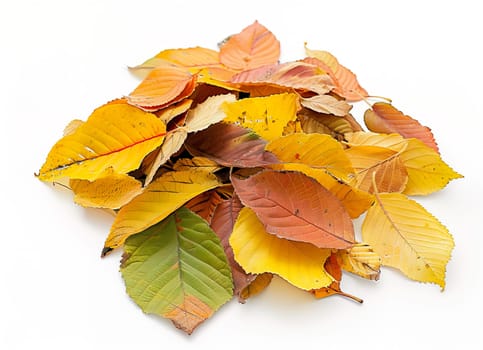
(105, 251)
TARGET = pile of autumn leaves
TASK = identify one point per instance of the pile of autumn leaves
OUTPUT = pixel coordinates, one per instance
(224, 168)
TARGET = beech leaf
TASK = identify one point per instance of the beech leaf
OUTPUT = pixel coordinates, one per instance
(301, 264)
(406, 236)
(309, 213)
(163, 196)
(254, 46)
(361, 260)
(230, 145)
(266, 116)
(192, 278)
(384, 118)
(114, 138)
(112, 191)
(163, 86)
(427, 172)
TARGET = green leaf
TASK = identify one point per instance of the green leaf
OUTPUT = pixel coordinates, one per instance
(177, 269)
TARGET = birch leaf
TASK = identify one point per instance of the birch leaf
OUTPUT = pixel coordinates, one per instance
(191, 278)
(408, 237)
(115, 138)
(301, 264)
(158, 200)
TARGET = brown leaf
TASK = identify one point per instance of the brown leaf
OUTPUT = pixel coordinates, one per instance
(294, 206)
(230, 145)
(205, 204)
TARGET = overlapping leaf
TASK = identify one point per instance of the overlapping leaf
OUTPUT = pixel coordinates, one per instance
(115, 138)
(310, 214)
(192, 278)
(301, 264)
(158, 200)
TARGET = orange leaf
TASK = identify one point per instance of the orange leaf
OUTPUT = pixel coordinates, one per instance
(384, 118)
(346, 82)
(163, 86)
(294, 206)
(253, 47)
(205, 204)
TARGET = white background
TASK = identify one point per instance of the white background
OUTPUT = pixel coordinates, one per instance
(61, 59)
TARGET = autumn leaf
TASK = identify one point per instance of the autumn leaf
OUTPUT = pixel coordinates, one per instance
(284, 77)
(379, 164)
(408, 237)
(114, 138)
(192, 57)
(204, 204)
(184, 164)
(254, 46)
(266, 116)
(333, 267)
(384, 118)
(169, 113)
(257, 251)
(230, 145)
(346, 84)
(427, 172)
(327, 104)
(310, 213)
(112, 191)
(158, 200)
(361, 260)
(318, 123)
(223, 221)
(192, 278)
(161, 87)
(320, 152)
(209, 112)
(393, 142)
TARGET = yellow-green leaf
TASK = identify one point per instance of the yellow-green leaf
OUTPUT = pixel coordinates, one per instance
(406, 236)
(301, 264)
(427, 172)
(162, 197)
(115, 138)
(112, 191)
(266, 116)
(177, 269)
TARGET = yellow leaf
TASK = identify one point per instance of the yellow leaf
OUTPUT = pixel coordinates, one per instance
(185, 164)
(381, 163)
(159, 199)
(266, 116)
(72, 126)
(327, 104)
(301, 264)
(408, 237)
(208, 112)
(112, 191)
(427, 172)
(361, 260)
(318, 151)
(394, 142)
(115, 138)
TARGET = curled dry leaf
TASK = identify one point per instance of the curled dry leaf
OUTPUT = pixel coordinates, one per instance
(249, 167)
